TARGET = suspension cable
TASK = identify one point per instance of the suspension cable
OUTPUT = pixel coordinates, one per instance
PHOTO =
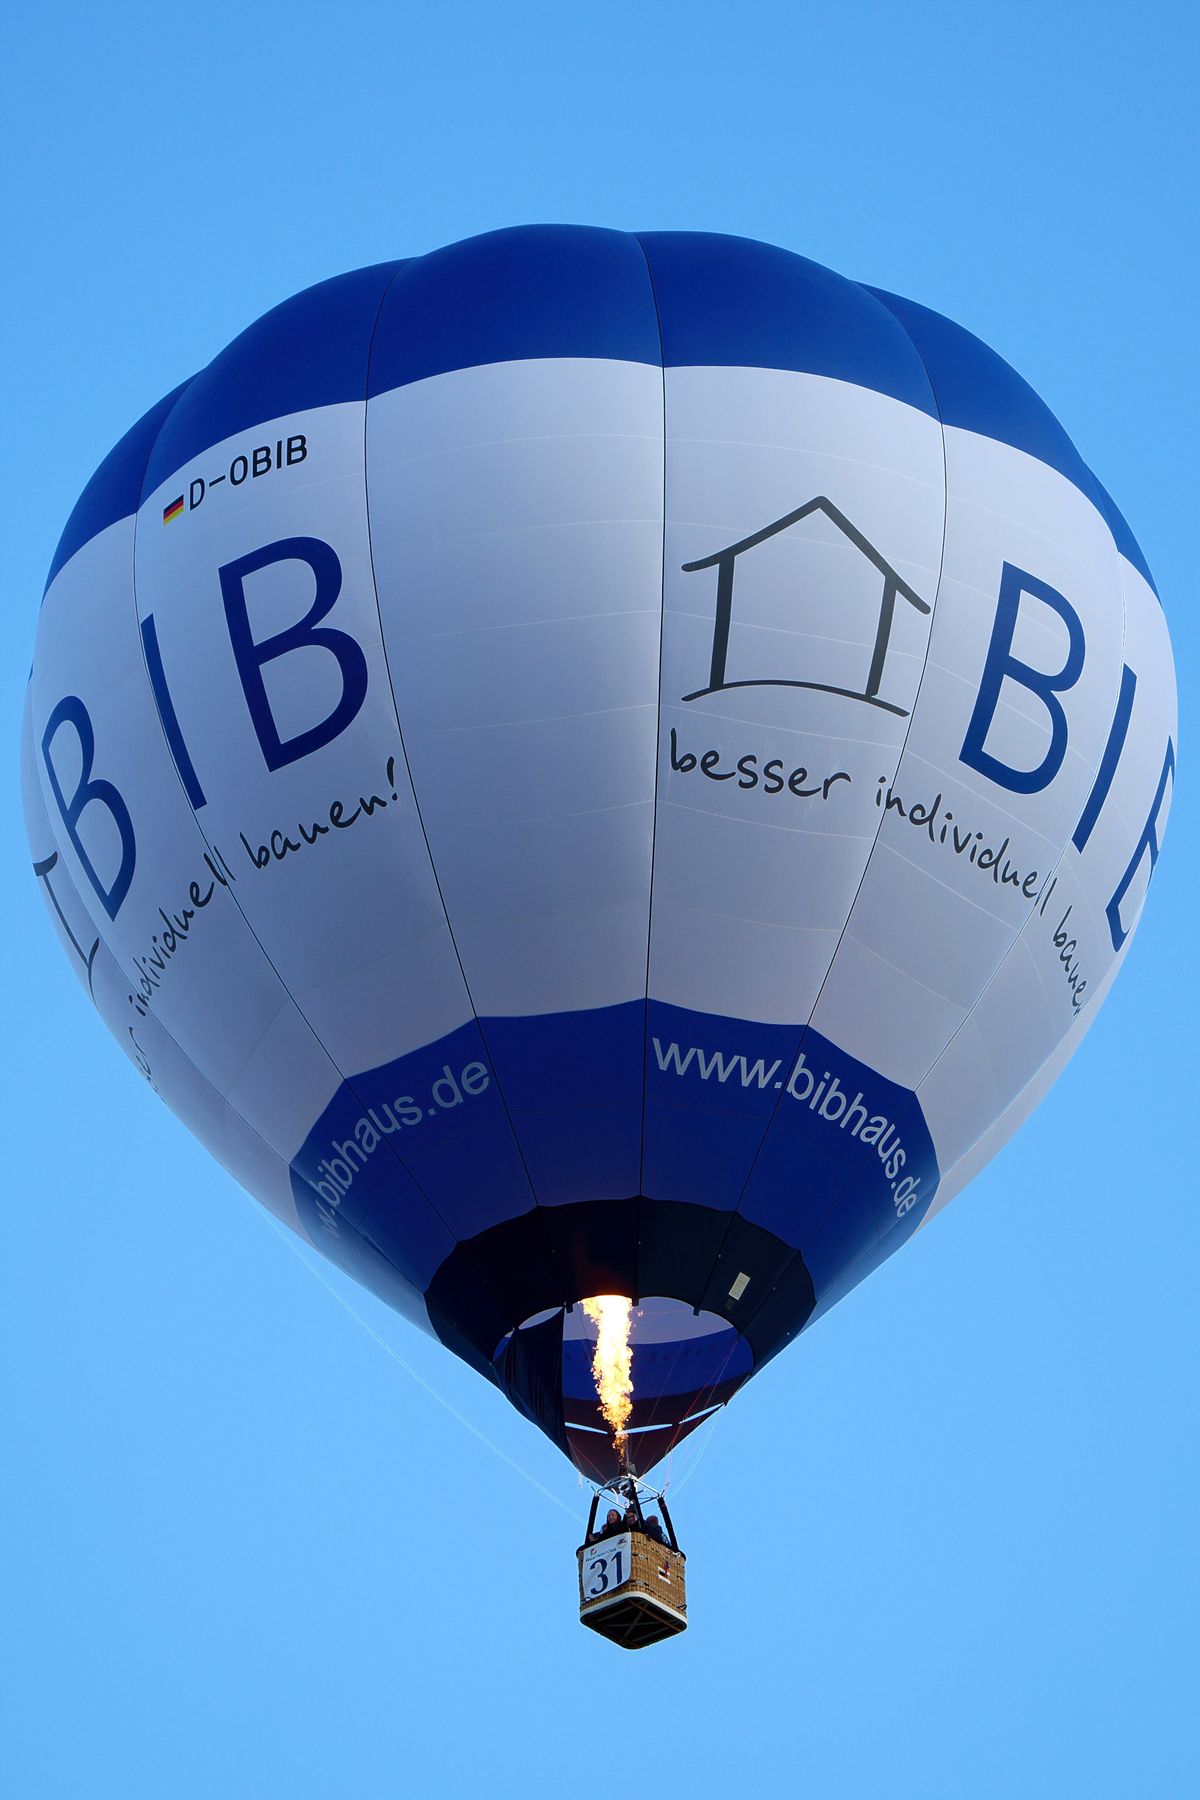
(420, 1380)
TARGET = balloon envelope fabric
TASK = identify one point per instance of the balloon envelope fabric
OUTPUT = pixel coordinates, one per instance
(585, 763)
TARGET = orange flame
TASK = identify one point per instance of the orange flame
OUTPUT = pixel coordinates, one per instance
(612, 1360)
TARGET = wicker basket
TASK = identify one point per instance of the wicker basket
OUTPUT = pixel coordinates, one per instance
(632, 1590)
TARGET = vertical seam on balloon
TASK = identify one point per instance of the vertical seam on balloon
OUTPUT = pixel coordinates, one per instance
(913, 1102)
(1106, 979)
(808, 1026)
(662, 617)
(998, 971)
(343, 1081)
(203, 835)
(387, 667)
(416, 803)
(400, 735)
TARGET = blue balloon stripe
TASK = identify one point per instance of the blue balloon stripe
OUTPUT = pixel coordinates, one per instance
(1123, 537)
(697, 1142)
(544, 291)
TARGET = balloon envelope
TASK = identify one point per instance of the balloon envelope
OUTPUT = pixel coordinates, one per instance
(582, 764)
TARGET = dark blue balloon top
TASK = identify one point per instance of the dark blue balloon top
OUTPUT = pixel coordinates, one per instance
(670, 299)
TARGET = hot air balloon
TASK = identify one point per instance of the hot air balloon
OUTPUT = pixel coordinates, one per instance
(603, 776)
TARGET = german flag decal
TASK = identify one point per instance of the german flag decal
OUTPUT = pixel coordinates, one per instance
(173, 511)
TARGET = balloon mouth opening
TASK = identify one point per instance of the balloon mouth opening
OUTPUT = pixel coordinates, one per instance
(683, 1365)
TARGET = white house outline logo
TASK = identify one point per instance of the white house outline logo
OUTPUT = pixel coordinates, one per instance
(893, 584)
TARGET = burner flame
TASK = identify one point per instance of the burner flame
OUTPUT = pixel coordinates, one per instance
(612, 1361)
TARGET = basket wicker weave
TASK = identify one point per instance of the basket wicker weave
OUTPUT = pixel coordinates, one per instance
(635, 1592)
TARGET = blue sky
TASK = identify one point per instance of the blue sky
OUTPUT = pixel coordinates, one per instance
(945, 1546)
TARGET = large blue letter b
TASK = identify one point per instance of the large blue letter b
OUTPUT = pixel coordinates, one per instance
(305, 633)
(1002, 666)
(71, 711)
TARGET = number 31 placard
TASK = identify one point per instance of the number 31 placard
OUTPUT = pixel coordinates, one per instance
(605, 1566)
